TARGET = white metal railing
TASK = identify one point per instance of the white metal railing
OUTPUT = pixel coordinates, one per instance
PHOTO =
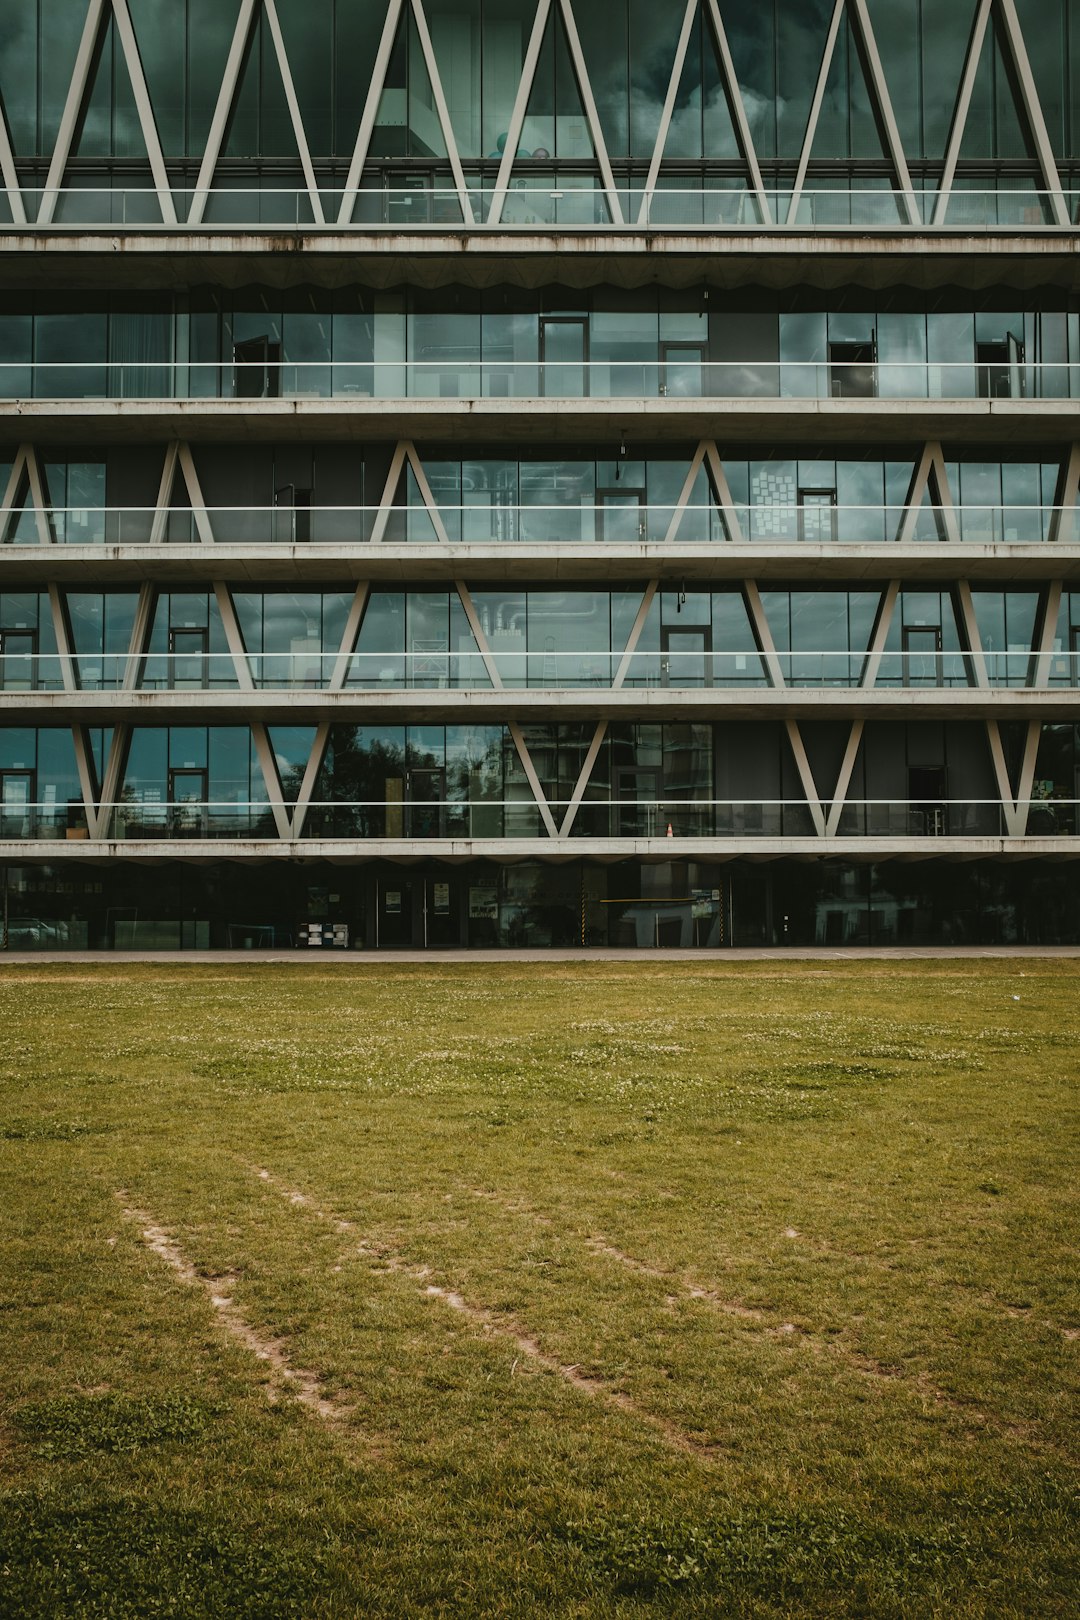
(535, 200)
(520, 667)
(621, 520)
(459, 376)
(143, 815)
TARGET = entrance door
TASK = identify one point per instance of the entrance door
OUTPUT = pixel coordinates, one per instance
(257, 369)
(927, 799)
(620, 515)
(564, 354)
(407, 198)
(426, 790)
(394, 902)
(17, 818)
(685, 659)
(852, 372)
(817, 515)
(442, 916)
(188, 812)
(188, 660)
(637, 812)
(683, 370)
(17, 667)
(922, 655)
(293, 502)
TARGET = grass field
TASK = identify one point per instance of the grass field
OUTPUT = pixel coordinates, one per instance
(557, 1290)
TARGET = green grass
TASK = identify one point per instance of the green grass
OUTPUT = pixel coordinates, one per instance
(767, 1272)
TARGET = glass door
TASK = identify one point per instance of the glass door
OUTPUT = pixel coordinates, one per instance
(685, 659)
(564, 356)
(817, 515)
(637, 811)
(395, 901)
(442, 918)
(426, 790)
(188, 660)
(684, 370)
(188, 811)
(16, 804)
(17, 666)
(620, 515)
(257, 369)
(922, 655)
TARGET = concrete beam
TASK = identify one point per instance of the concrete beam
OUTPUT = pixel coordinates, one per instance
(494, 563)
(523, 421)
(575, 703)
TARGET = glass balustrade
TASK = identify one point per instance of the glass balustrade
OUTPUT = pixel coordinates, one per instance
(148, 818)
(696, 668)
(625, 523)
(533, 201)
(686, 377)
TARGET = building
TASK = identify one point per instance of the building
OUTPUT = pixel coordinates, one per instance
(533, 472)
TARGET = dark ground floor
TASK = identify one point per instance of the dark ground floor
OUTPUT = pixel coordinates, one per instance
(482, 905)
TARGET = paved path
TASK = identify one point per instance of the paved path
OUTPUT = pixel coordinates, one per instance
(689, 958)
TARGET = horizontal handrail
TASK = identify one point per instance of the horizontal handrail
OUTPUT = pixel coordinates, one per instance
(560, 667)
(600, 817)
(542, 523)
(535, 198)
(468, 376)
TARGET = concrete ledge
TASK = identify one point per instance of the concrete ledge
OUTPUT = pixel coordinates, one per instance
(578, 562)
(573, 703)
(510, 851)
(562, 421)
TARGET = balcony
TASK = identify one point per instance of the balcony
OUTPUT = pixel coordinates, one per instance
(538, 202)
(618, 521)
(671, 824)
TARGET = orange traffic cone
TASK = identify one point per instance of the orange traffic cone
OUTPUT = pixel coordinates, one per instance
(670, 833)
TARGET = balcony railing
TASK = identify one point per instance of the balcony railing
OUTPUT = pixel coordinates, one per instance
(452, 377)
(537, 201)
(150, 818)
(556, 669)
(619, 522)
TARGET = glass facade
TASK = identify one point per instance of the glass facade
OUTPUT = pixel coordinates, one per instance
(539, 474)
(501, 343)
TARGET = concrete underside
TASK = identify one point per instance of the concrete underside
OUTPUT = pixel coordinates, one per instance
(314, 563)
(576, 703)
(509, 851)
(553, 421)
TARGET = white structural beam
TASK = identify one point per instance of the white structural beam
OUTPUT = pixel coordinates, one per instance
(843, 780)
(521, 103)
(340, 672)
(310, 777)
(62, 638)
(268, 766)
(151, 139)
(806, 776)
(866, 42)
(112, 778)
(371, 108)
(219, 123)
(69, 118)
(592, 117)
(1011, 34)
(295, 115)
(390, 488)
(9, 174)
(966, 604)
(880, 635)
(442, 111)
(738, 110)
(815, 110)
(960, 111)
